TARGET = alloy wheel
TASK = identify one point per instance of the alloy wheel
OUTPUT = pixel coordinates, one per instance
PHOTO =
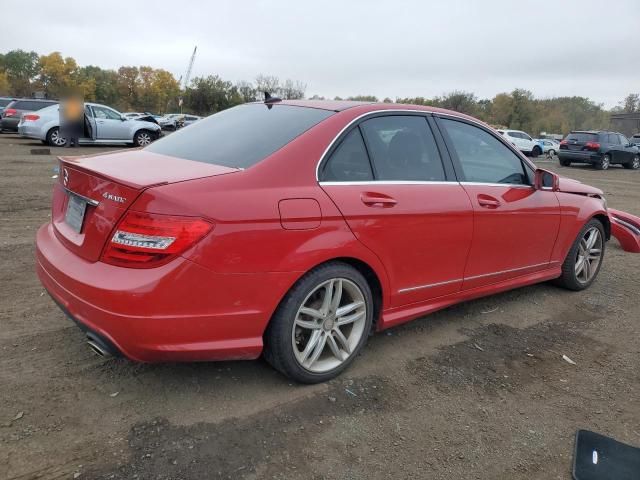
(56, 139)
(144, 139)
(605, 162)
(635, 164)
(589, 255)
(329, 325)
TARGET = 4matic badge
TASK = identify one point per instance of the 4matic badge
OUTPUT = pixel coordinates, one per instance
(113, 198)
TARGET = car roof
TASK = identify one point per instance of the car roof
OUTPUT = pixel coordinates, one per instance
(367, 107)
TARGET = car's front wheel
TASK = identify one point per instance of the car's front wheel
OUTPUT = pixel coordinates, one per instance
(633, 164)
(584, 259)
(142, 138)
(604, 162)
(55, 139)
(321, 324)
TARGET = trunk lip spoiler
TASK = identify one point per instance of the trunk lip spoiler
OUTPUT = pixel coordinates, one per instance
(626, 228)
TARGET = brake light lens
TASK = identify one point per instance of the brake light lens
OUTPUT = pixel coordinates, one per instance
(592, 146)
(9, 112)
(563, 142)
(30, 118)
(145, 240)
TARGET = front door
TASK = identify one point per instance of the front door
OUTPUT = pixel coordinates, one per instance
(109, 123)
(515, 226)
(387, 178)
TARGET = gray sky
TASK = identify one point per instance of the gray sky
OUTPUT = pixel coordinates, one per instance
(385, 48)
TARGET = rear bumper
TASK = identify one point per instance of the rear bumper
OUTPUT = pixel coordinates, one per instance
(177, 312)
(30, 131)
(9, 123)
(582, 157)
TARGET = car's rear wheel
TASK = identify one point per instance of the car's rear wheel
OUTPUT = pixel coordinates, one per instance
(633, 164)
(142, 138)
(604, 162)
(551, 152)
(321, 325)
(565, 162)
(55, 139)
(584, 259)
(536, 151)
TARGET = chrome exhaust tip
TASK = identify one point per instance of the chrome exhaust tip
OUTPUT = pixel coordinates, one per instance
(98, 349)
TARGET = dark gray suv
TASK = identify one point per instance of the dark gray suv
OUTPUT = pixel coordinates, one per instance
(599, 148)
(10, 116)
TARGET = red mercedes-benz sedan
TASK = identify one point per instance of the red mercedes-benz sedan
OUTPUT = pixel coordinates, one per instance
(294, 229)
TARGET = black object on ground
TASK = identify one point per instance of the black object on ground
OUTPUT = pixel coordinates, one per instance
(598, 457)
(40, 151)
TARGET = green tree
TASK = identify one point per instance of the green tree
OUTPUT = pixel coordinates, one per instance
(21, 69)
(631, 103)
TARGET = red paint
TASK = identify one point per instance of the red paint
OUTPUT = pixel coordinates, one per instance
(430, 245)
(625, 228)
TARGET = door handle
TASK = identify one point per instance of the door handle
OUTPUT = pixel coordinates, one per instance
(488, 201)
(377, 200)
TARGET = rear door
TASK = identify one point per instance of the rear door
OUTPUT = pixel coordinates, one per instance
(515, 226)
(388, 179)
(627, 149)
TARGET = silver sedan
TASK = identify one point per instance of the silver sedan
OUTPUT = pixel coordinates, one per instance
(102, 125)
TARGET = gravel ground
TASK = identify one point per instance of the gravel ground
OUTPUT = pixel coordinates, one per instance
(476, 391)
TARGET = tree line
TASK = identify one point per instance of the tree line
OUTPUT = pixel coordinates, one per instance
(143, 88)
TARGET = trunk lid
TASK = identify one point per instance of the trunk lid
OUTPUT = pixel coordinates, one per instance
(101, 188)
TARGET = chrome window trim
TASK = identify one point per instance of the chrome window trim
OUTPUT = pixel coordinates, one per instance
(389, 182)
(431, 285)
(489, 184)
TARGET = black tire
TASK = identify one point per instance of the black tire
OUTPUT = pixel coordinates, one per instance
(279, 339)
(633, 164)
(565, 163)
(604, 163)
(142, 138)
(536, 151)
(569, 278)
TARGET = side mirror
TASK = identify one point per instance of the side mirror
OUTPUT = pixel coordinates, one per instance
(546, 180)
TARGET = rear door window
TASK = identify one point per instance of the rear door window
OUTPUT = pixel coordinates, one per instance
(240, 136)
(613, 139)
(482, 157)
(403, 148)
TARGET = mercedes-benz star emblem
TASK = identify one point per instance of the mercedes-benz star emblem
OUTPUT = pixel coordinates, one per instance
(65, 177)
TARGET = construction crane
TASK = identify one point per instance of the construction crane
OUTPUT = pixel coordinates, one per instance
(184, 85)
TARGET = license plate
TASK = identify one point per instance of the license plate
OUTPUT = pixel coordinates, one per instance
(75, 212)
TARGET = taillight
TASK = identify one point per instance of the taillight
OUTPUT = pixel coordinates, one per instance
(9, 112)
(30, 118)
(563, 142)
(145, 240)
(592, 146)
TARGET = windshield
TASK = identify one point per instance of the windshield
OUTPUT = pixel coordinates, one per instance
(241, 136)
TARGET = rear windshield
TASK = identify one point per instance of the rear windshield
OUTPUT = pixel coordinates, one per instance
(4, 102)
(583, 137)
(241, 136)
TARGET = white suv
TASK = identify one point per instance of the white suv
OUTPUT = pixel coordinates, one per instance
(522, 141)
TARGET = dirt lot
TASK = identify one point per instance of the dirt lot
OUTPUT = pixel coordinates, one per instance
(476, 391)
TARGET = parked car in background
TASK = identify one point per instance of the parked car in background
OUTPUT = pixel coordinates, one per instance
(549, 147)
(635, 139)
(599, 148)
(522, 141)
(294, 229)
(4, 101)
(11, 114)
(190, 119)
(102, 125)
(132, 115)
